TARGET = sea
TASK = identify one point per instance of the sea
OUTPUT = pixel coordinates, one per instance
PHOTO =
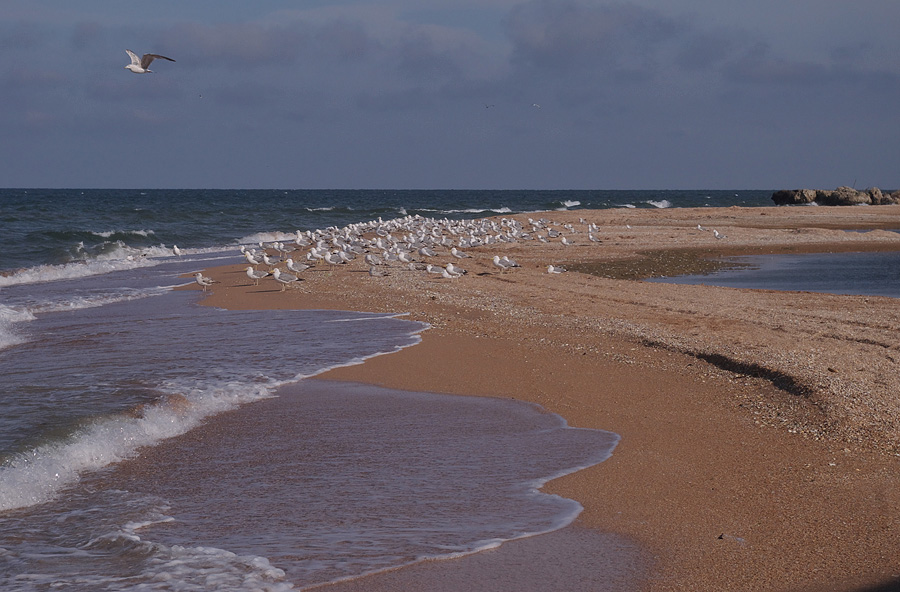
(852, 274)
(150, 443)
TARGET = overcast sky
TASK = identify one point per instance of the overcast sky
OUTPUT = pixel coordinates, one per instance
(533, 94)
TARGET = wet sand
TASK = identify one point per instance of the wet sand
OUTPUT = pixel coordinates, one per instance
(759, 442)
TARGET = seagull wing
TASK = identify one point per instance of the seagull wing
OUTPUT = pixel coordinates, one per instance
(135, 61)
(147, 58)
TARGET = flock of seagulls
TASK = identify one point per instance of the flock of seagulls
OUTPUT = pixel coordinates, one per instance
(437, 247)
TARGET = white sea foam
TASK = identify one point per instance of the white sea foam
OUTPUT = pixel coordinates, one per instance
(109, 233)
(10, 316)
(500, 210)
(664, 203)
(68, 271)
(266, 237)
(166, 567)
(37, 475)
(121, 258)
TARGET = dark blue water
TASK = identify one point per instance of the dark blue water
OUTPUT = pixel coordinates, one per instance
(41, 226)
(864, 274)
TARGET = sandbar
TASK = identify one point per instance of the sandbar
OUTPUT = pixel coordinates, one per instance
(760, 444)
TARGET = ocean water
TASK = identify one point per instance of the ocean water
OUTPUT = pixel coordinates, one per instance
(148, 442)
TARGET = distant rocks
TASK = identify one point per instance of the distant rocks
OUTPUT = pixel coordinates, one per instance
(842, 196)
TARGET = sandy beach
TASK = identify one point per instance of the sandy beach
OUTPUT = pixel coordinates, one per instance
(760, 444)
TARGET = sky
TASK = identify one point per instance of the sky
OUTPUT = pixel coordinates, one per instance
(451, 94)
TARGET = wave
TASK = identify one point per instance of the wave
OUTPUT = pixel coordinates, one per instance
(663, 203)
(10, 316)
(125, 233)
(36, 476)
(121, 258)
(80, 269)
(500, 210)
(267, 237)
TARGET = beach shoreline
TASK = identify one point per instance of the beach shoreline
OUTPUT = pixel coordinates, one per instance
(757, 449)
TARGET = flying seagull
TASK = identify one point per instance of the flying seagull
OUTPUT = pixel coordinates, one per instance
(142, 65)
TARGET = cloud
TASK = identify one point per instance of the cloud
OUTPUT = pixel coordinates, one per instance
(563, 36)
(236, 45)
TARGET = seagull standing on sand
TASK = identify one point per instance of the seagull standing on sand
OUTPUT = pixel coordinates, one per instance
(256, 275)
(295, 267)
(141, 65)
(285, 279)
(454, 270)
(203, 280)
(503, 265)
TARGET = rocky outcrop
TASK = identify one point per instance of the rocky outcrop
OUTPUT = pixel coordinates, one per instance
(842, 196)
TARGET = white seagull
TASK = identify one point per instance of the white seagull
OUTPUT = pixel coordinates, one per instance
(203, 280)
(554, 269)
(256, 275)
(141, 65)
(295, 267)
(503, 265)
(285, 279)
(454, 270)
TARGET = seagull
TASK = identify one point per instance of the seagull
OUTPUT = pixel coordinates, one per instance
(458, 254)
(176, 250)
(142, 65)
(268, 261)
(203, 280)
(333, 259)
(455, 270)
(250, 259)
(718, 234)
(555, 269)
(285, 279)
(255, 275)
(503, 265)
(295, 267)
